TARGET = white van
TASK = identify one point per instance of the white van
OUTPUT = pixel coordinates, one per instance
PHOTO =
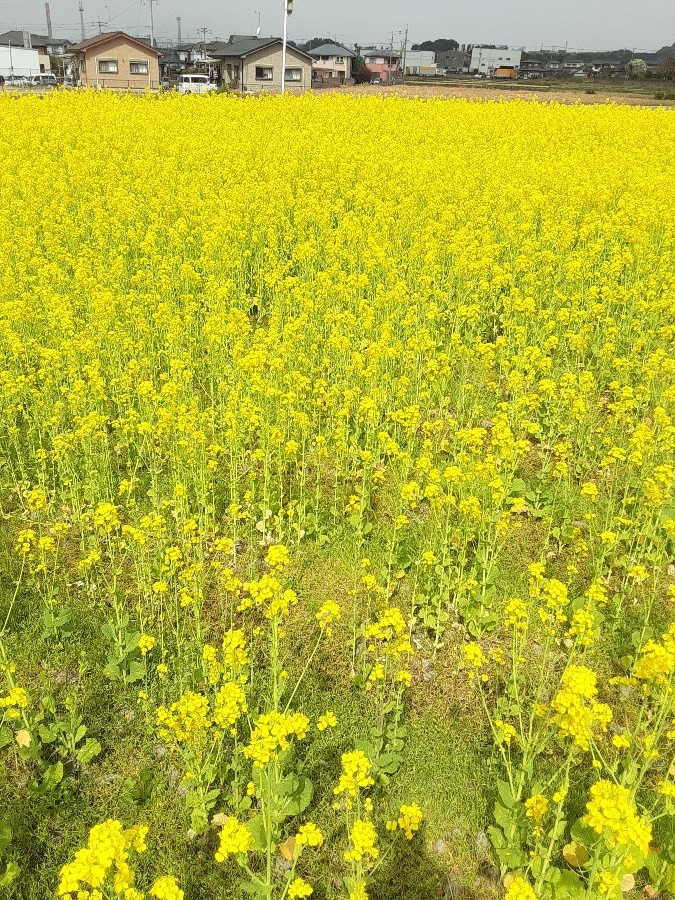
(48, 80)
(195, 84)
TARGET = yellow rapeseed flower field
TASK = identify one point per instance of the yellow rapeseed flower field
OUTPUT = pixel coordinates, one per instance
(337, 528)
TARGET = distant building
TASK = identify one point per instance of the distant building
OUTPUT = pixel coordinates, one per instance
(50, 51)
(332, 65)
(486, 60)
(384, 65)
(254, 65)
(118, 61)
(18, 62)
(420, 62)
(453, 60)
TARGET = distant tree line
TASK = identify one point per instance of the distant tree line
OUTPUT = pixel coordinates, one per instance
(438, 46)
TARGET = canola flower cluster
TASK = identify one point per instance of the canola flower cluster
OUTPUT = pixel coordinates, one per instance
(272, 734)
(104, 862)
(577, 714)
(610, 811)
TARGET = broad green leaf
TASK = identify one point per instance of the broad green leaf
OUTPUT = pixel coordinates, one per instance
(10, 874)
(6, 736)
(256, 828)
(90, 749)
(505, 794)
(298, 792)
(575, 854)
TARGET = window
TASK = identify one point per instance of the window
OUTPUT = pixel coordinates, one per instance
(264, 73)
(339, 60)
(293, 74)
(107, 66)
(138, 68)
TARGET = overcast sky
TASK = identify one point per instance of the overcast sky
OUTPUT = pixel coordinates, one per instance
(581, 24)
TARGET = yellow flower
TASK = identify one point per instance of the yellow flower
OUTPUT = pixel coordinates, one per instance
(520, 889)
(560, 795)
(106, 854)
(576, 713)
(277, 557)
(272, 734)
(166, 888)
(327, 720)
(535, 807)
(234, 839)
(356, 768)
(410, 819)
(328, 614)
(310, 835)
(363, 840)
(299, 888)
(146, 643)
(516, 615)
(611, 811)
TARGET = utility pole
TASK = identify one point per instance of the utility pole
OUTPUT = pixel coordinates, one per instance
(289, 6)
(405, 51)
(100, 25)
(203, 30)
(178, 23)
(152, 23)
(391, 53)
(83, 34)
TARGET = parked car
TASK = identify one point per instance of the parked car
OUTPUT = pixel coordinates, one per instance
(44, 79)
(195, 84)
(15, 81)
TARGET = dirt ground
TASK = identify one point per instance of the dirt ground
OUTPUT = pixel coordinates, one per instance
(603, 93)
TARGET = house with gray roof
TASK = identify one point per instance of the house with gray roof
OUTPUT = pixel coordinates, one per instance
(332, 65)
(253, 65)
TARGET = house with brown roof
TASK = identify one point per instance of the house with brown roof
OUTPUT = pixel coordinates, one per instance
(253, 65)
(118, 61)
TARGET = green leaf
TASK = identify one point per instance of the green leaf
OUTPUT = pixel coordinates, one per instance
(583, 834)
(256, 828)
(132, 640)
(511, 858)
(569, 887)
(47, 734)
(11, 873)
(253, 888)
(298, 791)
(497, 837)
(112, 671)
(136, 671)
(90, 749)
(6, 736)
(388, 763)
(108, 632)
(505, 816)
(505, 794)
(79, 734)
(53, 776)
